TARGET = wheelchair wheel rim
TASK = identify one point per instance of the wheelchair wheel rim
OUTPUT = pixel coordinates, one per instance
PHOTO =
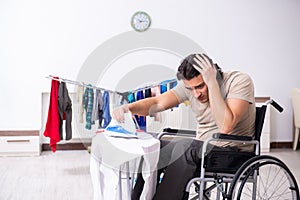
(274, 180)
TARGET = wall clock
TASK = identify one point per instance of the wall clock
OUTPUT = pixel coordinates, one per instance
(140, 21)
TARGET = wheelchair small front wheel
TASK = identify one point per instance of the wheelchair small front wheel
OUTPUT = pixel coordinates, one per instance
(264, 177)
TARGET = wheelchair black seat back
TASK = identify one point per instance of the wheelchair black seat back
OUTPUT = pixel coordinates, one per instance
(259, 121)
(244, 175)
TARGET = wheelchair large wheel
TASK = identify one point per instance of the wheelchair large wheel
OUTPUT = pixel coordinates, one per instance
(264, 177)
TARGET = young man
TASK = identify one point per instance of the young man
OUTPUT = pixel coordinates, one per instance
(222, 102)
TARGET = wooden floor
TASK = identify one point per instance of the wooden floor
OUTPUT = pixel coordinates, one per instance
(65, 175)
(51, 176)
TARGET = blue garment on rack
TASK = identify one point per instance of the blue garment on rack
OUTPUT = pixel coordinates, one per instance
(141, 119)
(130, 97)
(163, 87)
(172, 84)
(106, 111)
(88, 100)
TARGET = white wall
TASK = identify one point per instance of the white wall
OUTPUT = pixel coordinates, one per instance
(39, 37)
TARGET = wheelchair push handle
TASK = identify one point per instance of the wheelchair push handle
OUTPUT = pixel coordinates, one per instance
(275, 105)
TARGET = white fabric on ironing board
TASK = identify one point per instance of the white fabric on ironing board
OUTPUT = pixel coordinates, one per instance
(109, 153)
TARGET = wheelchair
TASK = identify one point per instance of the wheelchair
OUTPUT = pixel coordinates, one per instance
(248, 175)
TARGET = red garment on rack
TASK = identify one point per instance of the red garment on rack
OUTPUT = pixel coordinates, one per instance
(52, 125)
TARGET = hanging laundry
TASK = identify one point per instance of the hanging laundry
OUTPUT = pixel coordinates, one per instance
(79, 97)
(88, 101)
(97, 113)
(155, 91)
(106, 110)
(130, 97)
(123, 98)
(163, 87)
(172, 84)
(52, 125)
(141, 119)
(148, 92)
(65, 111)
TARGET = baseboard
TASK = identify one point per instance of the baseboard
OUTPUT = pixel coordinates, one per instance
(67, 146)
(281, 145)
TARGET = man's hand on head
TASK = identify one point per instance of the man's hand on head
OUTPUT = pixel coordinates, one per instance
(206, 68)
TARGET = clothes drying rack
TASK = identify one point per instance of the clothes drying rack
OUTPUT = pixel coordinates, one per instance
(80, 84)
(112, 91)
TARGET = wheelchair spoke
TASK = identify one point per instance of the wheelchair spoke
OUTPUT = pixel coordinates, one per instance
(273, 180)
(275, 177)
(283, 183)
(271, 190)
(281, 196)
(248, 187)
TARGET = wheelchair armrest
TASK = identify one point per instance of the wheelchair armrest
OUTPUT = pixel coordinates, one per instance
(180, 131)
(177, 132)
(231, 137)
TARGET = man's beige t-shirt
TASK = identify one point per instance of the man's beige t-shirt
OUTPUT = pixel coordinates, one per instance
(236, 85)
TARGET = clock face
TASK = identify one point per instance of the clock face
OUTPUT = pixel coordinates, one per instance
(140, 21)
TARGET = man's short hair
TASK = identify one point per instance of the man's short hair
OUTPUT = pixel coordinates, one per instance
(186, 70)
